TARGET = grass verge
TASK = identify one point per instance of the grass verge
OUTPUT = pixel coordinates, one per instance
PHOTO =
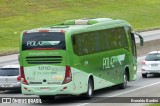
(19, 15)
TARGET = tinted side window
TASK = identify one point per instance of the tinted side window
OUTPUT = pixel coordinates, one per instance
(105, 41)
(97, 41)
(77, 44)
(113, 38)
(87, 42)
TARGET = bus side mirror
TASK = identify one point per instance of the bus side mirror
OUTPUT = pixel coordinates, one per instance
(141, 41)
(140, 37)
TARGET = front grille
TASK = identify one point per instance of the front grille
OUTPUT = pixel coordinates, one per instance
(44, 59)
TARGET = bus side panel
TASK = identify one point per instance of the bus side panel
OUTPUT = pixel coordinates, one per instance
(106, 67)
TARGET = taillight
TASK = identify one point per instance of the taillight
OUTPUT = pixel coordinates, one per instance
(62, 31)
(19, 78)
(24, 33)
(68, 75)
(143, 63)
(23, 79)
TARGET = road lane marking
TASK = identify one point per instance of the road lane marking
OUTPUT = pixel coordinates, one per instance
(135, 89)
(120, 93)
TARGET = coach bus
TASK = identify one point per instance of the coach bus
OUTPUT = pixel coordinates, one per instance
(77, 57)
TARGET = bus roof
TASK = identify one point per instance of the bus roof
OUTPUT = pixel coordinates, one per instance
(83, 25)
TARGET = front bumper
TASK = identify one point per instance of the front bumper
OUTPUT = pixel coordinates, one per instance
(145, 71)
(11, 88)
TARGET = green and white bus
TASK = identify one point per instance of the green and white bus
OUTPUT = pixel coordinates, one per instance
(77, 57)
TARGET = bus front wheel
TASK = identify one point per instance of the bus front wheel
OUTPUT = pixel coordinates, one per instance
(125, 81)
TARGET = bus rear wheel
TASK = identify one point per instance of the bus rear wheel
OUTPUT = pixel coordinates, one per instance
(89, 93)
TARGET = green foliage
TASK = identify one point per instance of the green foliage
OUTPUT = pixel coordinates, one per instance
(19, 15)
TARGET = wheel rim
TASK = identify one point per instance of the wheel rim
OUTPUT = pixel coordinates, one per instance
(125, 80)
(90, 90)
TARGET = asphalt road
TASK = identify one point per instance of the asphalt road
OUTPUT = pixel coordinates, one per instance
(142, 87)
(10, 59)
(149, 35)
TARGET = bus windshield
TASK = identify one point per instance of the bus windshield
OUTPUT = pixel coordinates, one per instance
(43, 41)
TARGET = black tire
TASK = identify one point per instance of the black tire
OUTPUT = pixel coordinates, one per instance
(89, 93)
(125, 81)
(47, 98)
(144, 75)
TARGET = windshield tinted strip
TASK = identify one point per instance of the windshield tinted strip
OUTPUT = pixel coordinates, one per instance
(44, 41)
